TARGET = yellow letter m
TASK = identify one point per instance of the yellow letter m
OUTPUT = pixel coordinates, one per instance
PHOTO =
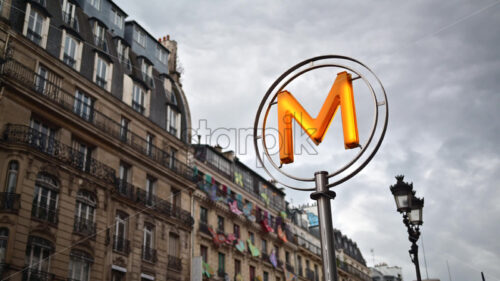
(341, 94)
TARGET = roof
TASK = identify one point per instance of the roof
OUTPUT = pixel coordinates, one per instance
(133, 22)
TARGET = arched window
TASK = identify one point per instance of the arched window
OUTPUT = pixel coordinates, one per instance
(85, 213)
(4, 237)
(79, 265)
(45, 198)
(38, 253)
(13, 169)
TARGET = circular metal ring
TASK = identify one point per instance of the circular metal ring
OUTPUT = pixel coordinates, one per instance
(364, 147)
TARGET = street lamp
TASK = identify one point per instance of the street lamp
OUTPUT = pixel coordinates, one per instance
(411, 208)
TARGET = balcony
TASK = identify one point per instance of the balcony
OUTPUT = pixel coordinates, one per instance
(290, 268)
(265, 256)
(37, 275)
(53, 92)
(308, 245)
(221, 273)
(70, 21)
(138, 107)
(164, 207)
(100, 43)
(69, 60)
(121, 245)
(44, 213)
(24, 135)
(300, 272)
(125, 189)
(352, 270)
(84, 227)
(125, 62)
(203, 227)
(310, 274)
(149, 254)
(10, 202)
(174, 263)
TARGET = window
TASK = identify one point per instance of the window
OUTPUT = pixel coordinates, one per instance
(252, 273)
(38, 253)
(149, 143)
(150, 191)
(83, 105)
(124, 172)
(4, 238)
(85, 213)
(316, 271)
(173, 121)
(161, 54)
(41, 79)
(220, 224)
(140, 37)
(45, 198)
(118, 18)
(42, 136)
(264, 246)
(277, 251)
(82, 155)
(138, 99)
(122, 51)
(299, 264)
(237, 267)
(117, 275)
(120, 243)
(147, 73)
(148, 252)
(99, 36)
(101, 75)
(175, 198)
(266, 276)
(96, 4)
(68, 10)
(124, 128)
(222, 263)
(35, 26)
(79, 265)
(172, 160)
(173, 245)
(70, 51)
(203, 215)
(287, 257)
(204, 253)
(252, 237)
(236, 231)
(11, 182)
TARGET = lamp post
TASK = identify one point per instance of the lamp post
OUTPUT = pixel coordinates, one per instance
(411, 208)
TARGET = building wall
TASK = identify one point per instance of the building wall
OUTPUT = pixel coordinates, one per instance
(21, 100)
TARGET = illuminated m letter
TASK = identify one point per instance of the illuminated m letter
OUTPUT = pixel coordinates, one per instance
(340, 95)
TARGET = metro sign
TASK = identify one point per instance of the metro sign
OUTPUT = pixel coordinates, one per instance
(340, 95)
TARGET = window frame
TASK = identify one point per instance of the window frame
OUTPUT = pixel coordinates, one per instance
(11, 177)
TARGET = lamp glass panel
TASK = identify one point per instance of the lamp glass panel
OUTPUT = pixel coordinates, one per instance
(402, 201)
(415, 216)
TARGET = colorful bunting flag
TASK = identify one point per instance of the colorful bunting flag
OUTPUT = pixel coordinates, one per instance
(240, 246)
(266, 199)
(238, 178)
(207, 270)
(253, 250)
(238, 277)
(234, 208)
(283, 214)
(282, 234)
(272, 259)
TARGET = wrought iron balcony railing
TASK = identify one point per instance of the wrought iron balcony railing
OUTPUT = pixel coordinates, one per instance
(164, 207)
(290, 268)
(84, 226)
(149, 254)
(54, 92)
(101, 82)
(300, 272)
(221, 273)
(31, 274)
(138, 107)
(121, 245)
(69, 60)
(308, 245)
(125, 189)
(10, 202)
(352, 270)
(147, 79)
(174, 263)
(44, 213)
(203, 227)
(309, 274)
(20, 134)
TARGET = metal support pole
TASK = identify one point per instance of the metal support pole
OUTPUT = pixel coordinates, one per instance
(414, 251)
(323, 196)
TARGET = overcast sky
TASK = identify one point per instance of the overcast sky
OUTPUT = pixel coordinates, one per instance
(440, 64)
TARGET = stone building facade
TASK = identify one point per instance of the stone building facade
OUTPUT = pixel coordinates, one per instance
(93, 161)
